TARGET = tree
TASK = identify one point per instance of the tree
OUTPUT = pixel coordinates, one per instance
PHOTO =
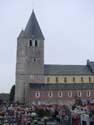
(77, 101)
(12, 94)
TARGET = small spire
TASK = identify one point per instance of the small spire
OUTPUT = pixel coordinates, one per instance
(22, 34)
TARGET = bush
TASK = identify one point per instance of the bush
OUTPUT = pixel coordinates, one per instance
(42, 113)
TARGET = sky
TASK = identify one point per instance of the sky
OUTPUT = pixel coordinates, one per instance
(68, 27)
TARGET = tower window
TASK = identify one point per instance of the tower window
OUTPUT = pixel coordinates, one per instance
(56, 79)
(34, 59)
(30, 43)
(36, 43)
(65, 79)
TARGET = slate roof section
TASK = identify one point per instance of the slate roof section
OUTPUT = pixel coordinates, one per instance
(32, 29)
(67, 70)
(76, 86)
(90, 64)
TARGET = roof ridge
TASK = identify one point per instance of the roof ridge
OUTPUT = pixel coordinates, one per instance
(63, 65)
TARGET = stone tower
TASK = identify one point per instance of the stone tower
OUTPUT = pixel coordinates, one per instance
(30, 59)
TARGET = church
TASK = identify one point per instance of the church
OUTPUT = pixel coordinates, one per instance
(39, 83)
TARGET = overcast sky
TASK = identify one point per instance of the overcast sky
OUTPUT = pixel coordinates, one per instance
(68, 27)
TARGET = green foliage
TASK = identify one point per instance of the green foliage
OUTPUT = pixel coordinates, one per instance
(34, 122)
(78, 101)
(12, 94)
(4, 98)
(42, 113)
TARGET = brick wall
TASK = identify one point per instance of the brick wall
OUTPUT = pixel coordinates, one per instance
(53, 96)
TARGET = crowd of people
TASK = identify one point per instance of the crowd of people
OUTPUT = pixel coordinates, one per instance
(33, 115)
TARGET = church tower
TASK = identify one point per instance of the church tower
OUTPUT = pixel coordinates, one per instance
(30, 58)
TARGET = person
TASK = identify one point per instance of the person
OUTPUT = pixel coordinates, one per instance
(45, 120)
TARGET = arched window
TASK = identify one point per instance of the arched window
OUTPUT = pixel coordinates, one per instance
(79, 94)
(60, 94)
(73, 79)
(70, 94)
(48, 79)
(65, 79)
(82, 80)
(34, 59)
(37, 94)
(36, 43)
(89, 79)
(88, 93)
(30, 43)
(50, 94)
(56, 79)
